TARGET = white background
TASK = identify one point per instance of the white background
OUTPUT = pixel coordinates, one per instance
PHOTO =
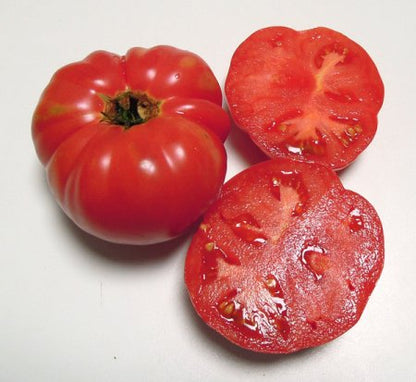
(73, 308)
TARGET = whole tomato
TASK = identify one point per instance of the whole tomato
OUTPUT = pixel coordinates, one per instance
(133, 144)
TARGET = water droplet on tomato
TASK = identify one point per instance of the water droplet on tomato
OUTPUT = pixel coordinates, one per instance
(315, 259)
(294, 149)
(355, 221)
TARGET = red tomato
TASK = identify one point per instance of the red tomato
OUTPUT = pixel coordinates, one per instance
(285, 259)
(133, 144)
(310, 95)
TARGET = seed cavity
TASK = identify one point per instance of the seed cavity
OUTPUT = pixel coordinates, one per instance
(234, 311)
(355, 220)
(315, 260)
(276, 292)
(351, 286)
(204, 227)
(247, 228)
(293, 180)
(350, 134)
(210, 256)
(313, 324)
(281, 324)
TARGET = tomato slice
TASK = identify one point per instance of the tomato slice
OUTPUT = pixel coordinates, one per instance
(311, 95)
(286, 258)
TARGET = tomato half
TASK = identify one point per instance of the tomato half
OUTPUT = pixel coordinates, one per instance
(310, 95)
(133, 144)
(286, 259)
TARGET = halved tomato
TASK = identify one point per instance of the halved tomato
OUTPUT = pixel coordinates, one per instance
(286, 259)
(311, 95)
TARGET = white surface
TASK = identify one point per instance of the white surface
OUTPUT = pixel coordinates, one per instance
(73, 308)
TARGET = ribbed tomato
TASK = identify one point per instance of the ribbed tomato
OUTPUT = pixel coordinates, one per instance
(133, 144)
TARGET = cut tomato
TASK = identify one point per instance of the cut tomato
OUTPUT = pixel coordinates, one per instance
(286, 259)
(311, 95)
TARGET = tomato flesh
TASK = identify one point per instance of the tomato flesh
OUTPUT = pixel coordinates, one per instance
(285, 259)
(311, 95)
(133, 144)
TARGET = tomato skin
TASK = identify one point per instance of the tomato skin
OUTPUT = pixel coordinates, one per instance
(146, 183)
(285, 259)
(310, 95)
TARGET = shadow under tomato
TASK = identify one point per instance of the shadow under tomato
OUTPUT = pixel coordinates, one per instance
(244, 147)
(121, 253)
(234, 352)
(124, 253)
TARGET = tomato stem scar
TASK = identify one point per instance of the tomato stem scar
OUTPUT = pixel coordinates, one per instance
(129, 108)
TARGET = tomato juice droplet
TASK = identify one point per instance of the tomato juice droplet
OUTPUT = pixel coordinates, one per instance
(247, 228)
(315, 259)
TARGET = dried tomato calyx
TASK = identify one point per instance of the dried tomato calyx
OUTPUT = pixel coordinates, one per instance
(129, 108)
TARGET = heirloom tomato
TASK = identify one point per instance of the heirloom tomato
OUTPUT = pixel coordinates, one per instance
(285, 259)
(310, 95)
(133, 144)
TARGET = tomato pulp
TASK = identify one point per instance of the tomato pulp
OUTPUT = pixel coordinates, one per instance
(310, 95)
(285, 259)
(133, 144)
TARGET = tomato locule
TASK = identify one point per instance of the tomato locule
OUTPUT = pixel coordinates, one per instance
(285, 259)
(133, 144)
(310, 95)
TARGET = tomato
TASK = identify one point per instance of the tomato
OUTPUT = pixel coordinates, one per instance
(285, 259)
(310, 95)
(133, 144)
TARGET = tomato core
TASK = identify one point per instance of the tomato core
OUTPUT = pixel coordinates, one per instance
(129, 108)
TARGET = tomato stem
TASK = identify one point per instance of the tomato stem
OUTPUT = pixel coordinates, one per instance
(129, 108)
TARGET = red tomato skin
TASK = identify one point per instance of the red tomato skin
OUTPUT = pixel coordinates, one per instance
(309, 95)
(147, 183)
(164, 71)
(290, 279)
